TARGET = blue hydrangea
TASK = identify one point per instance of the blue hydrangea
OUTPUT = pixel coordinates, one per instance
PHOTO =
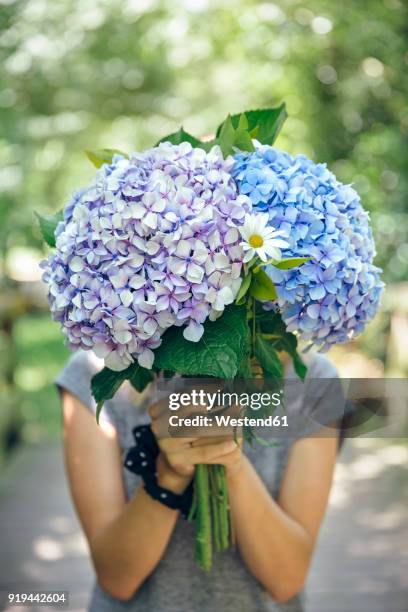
(330, 298)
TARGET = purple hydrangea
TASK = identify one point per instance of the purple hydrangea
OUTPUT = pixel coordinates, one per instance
(330, 298)
(152, 242)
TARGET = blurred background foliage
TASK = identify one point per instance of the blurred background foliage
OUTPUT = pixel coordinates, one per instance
(80, 74)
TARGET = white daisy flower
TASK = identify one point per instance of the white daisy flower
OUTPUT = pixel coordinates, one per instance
(261, 239)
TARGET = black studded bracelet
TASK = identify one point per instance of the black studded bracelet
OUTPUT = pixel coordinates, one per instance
(141, 460)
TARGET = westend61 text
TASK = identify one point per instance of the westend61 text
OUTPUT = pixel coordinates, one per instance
(228, 421)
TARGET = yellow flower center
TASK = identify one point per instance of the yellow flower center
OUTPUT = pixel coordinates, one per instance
(256, 241)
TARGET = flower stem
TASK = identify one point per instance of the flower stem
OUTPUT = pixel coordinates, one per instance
(216, 524)
(223, 507)
(193, 508)
(203, 518)
(253, 326)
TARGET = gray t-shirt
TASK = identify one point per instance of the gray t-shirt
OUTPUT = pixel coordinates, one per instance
(177, 584)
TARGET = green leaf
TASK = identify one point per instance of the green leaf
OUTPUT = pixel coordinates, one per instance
(104, 385)
(299, 365)
(99, 407)
(268, 357)
(283, 264)
(269, 122)
(243, 141)
(102, 156)
(262, 287)
(231, 137)
(226, 137)
(107, 382)
(219, 353)
(182, 136)
(246, 281)
(245, 370)
(270, 321)
(243, 122)
(140, 377)
(291, 262)
(263, 124)
(48, 225)
(273, 326)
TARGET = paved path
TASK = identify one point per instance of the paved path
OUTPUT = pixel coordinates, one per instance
(362, 559)
(41, 543)
(361, 563)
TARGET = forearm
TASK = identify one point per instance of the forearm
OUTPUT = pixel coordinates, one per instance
(275, 548)
(127, 550)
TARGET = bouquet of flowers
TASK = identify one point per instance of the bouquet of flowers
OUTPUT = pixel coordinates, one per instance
(199, 258)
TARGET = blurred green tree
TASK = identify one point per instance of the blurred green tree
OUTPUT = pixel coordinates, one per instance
(79, 74)
(116, 73)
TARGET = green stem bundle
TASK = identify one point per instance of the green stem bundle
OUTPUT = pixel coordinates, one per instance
(203, 517)
(211, 512)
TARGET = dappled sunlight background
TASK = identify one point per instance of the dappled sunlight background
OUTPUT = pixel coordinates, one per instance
(122, 74)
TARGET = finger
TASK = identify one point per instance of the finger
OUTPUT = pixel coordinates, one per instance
(215, 440)
(205, 441)
(206, 454)
(161, 410)
(170, 445)
(158, 408)
(188, 411)
(227, 459)
(162, 429)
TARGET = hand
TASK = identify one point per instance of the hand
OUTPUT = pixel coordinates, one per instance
(179, 455)
(231, 460)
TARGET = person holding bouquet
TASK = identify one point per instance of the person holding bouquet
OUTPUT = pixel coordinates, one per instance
(213, 260)
(142, 551)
